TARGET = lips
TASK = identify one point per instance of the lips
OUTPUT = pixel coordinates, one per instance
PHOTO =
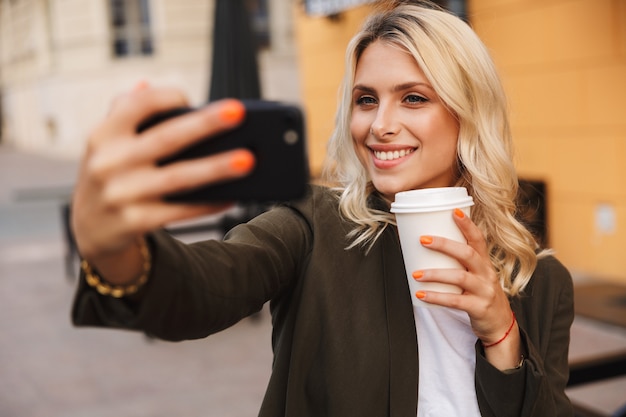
(392, 155)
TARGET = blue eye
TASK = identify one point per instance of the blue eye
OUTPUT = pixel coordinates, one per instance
(415, 99)
(365, 100)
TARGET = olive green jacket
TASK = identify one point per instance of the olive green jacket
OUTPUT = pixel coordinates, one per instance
(344, 337)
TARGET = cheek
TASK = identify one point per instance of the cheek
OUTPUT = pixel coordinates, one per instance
(453, 126)
(359, 128)
(449, 148)
(358, 140)
(449, 131)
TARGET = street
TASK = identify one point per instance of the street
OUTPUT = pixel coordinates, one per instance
(48, 368)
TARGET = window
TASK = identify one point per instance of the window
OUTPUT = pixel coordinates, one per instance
(455, 6)
(331, 7)
(130, 24)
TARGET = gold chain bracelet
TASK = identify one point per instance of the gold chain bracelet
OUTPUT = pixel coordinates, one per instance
(118, 291)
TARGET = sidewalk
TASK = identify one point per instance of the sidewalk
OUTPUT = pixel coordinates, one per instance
(28, 176)
(33, 189)
(48, 368)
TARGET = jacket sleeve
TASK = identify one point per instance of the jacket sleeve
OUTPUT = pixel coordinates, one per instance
(198, 289)
(545, 314)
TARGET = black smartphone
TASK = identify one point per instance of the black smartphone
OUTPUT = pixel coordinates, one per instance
(274, 132)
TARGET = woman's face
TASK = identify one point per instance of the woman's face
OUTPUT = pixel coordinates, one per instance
(403, 134)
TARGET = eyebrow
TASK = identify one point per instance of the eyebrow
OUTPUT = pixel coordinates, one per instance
(396, 88)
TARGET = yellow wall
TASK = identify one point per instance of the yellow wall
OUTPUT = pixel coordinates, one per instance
(321, 45)
(563, 63)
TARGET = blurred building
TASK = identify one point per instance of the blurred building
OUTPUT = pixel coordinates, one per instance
(62, 61)
(563, 63)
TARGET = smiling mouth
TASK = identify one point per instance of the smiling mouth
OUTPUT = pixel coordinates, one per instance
(391, 155)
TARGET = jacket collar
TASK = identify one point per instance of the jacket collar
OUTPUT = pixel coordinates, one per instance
(401, 324)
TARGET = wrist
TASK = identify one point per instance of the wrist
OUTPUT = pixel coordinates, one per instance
(490, 344)
(120, 274)
(507, 354)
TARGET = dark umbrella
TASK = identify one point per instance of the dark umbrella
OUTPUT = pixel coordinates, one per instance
(234, 72)
(234, 65)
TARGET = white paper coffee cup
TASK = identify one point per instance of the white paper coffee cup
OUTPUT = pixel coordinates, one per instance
(429, 212)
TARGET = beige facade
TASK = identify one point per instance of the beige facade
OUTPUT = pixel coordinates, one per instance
(563, 63)
(58, 73)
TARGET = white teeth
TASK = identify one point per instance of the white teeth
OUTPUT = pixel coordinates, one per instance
(391, 155)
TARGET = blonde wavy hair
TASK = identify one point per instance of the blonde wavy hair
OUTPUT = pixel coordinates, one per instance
(461, 71)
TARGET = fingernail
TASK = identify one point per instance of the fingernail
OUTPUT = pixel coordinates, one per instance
(420, 294)
(459, 213)
(141, 85)
(418, 274)
(232, 111)
(426, 240)
(242, 161)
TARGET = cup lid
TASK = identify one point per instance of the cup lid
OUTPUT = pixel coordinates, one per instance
(431, 199)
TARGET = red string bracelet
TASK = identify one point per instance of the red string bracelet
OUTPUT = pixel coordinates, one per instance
(505, 334)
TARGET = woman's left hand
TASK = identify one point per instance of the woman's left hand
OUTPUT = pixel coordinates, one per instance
(482, 297)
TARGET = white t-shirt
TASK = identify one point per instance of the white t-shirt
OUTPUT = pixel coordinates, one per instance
(446, 363)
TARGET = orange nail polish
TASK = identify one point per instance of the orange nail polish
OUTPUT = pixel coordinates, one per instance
(420, 294)
(459, 213)
(232, 111)
(242, 161)
(418, 274)
(426, 240)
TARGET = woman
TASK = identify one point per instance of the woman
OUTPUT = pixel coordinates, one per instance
(422, 107)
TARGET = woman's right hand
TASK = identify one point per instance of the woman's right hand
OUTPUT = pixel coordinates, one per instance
(120, 188)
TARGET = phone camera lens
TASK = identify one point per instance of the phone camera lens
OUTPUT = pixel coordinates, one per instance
(291, 137)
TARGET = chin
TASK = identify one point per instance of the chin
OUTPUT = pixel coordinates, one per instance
(389, 190)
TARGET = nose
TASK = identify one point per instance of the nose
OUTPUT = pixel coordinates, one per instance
(384, 125)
